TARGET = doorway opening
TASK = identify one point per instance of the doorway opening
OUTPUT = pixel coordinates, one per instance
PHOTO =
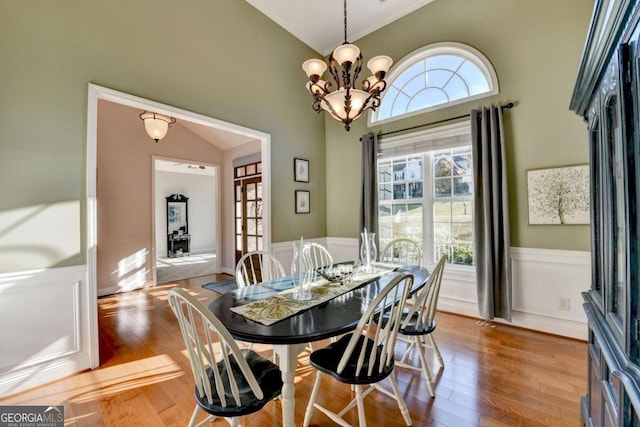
(186, 213)
(227, 133)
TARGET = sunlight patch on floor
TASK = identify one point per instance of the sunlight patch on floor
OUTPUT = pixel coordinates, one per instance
(184, 267)
(112, 380)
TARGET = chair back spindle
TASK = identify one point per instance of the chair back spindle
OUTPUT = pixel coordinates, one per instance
(201, 330)
(258, 266)
(426, 301)
(318, 256)
(373, 342)
(405, 251)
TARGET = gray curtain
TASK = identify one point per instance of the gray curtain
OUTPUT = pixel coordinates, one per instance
(369, 187)
(491, 211)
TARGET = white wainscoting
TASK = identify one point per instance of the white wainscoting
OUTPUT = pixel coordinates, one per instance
(284, 251)
(541, 278)
(45, 327)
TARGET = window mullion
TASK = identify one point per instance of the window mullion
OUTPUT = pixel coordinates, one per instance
(427, 209)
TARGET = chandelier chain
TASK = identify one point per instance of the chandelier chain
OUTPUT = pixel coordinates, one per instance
(345, 21)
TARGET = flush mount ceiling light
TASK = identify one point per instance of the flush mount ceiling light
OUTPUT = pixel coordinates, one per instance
(346, 103)
(156, 124)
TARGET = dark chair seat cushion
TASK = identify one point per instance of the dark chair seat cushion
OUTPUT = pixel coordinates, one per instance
(327, 359)
(416, 326)
(267, 374)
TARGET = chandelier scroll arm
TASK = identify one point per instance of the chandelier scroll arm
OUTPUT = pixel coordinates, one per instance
(316, 104)
(375, 102)
(356, 70)
(334, 71)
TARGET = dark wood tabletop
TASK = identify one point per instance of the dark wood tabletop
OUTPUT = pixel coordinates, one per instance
(334, 317)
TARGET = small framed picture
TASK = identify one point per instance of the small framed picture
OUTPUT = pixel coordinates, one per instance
(300, 170)
(302, 202)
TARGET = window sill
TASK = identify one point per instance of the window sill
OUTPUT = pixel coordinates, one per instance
(456, 271)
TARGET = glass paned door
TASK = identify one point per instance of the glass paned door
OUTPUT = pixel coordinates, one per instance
(248, 210)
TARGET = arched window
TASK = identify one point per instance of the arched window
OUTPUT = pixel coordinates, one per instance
(435, 76)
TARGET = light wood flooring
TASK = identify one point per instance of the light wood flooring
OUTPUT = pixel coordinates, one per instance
(501, 376)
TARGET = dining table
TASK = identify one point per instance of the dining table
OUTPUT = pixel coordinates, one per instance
(291, 335)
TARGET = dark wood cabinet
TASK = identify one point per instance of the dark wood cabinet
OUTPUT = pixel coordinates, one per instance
(607, 95)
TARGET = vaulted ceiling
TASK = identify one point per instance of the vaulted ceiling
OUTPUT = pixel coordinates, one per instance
(320, 24)
(322, 33)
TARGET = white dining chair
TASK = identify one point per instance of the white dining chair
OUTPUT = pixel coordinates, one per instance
(229, 382)
(404, 251)
(419, 322)
(366, 356)
(318, 256)
(258, 266)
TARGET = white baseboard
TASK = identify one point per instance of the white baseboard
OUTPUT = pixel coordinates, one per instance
(227, 270)
(198, 251)
(562, 327)
(551, 325)
(103, 292)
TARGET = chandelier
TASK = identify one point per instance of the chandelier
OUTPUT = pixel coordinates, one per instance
(345, 103)
(156, 124)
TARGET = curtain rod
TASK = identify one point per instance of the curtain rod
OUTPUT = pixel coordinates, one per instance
(503, 107)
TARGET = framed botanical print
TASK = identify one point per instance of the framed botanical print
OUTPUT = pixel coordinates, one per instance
(300, 170)
(302, 202)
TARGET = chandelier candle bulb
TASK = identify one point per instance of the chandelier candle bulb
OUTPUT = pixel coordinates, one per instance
(379, 64)
(314, 67)
(346, 53)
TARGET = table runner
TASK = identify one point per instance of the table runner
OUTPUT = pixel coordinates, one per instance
(272, 309)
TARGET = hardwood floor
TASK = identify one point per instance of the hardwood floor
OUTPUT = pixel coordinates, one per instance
(501, 376)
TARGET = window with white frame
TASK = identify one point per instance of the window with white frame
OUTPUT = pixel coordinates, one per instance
(435, 76)
(425, 193)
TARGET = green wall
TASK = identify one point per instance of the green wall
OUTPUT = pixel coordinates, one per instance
(224, 59)
(220, 58)
(535, 48)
